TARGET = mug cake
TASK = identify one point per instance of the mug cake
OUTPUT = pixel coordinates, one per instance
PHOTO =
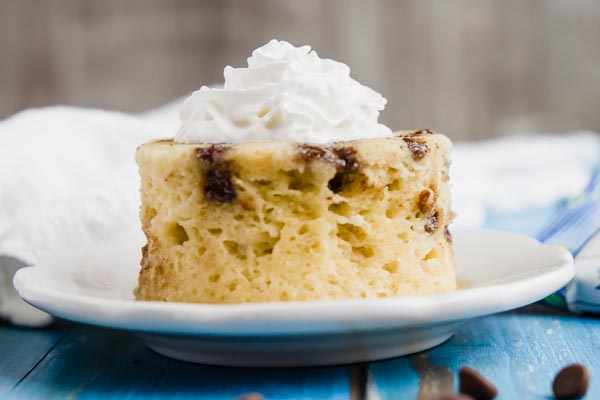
(283, 186)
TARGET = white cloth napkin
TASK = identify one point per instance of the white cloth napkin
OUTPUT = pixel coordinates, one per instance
(68, 179)
(515, 174)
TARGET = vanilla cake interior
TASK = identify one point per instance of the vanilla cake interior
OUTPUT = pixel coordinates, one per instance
(281, 221)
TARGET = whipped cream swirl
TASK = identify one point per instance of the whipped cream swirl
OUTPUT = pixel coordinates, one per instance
(286, 93)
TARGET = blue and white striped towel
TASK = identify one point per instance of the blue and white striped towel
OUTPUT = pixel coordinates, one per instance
(577, 227)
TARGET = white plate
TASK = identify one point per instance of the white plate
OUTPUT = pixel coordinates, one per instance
(498, 271)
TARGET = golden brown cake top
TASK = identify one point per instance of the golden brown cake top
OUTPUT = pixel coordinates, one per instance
(346, 158)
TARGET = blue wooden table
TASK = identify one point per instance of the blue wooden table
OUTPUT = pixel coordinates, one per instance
(520, 351)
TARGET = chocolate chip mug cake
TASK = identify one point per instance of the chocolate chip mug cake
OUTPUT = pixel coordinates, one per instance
(283, 186)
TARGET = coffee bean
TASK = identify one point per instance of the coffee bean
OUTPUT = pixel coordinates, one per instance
(250, 396)
(571, 382)
(476, 385)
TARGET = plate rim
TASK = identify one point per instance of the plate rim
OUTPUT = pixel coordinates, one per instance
(166, 318)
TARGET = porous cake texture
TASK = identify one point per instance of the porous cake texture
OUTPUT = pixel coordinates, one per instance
(279, 221)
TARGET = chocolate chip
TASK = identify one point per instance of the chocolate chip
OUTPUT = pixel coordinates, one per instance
(458, 396)
(250, 396)
(447, 234)
(476, 385)
(344, 158)
(347, 163)
(336, 183)
(571, 382)
(424, 132)
(348, 159)
(432, 224)
(420, 132)
(218, 185)
(311, 152)
(212, 153)
(417, 147)
(426, 201)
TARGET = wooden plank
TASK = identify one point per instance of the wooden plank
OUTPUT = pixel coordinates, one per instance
(519, 352)
(93, 363)
(21, 350)
(183, 380)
